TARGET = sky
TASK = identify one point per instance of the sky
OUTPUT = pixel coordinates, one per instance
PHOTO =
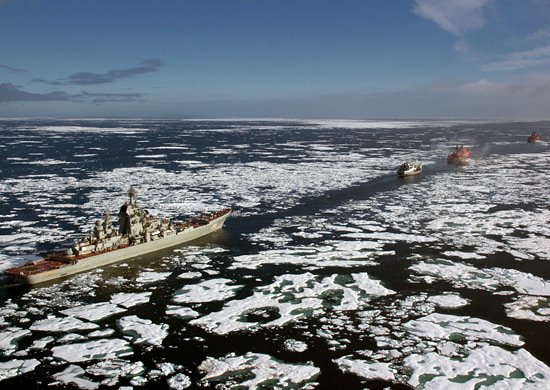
(354, 59)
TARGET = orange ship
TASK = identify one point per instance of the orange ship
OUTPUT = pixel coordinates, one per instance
(534, 137)
(460, 154)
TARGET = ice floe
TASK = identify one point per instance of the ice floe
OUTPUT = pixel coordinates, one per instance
(94, 311)
(17, 367)
(295, 345)
(491, 279)
(113, 369)
(449, 327)
(292, 297)
(262, 370)
(529, 308)
(9, 337)
(128, 300)
(207, 291)
(76, 375)
(92, 350)
(63, 324)
(181, 312)
(449, 301)
(152, 276)
(486, 365)
(143, 331)
(366, 369)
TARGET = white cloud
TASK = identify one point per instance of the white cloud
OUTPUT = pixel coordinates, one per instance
(539, 35)
(531, 86)
(521, 59)
(454, 16)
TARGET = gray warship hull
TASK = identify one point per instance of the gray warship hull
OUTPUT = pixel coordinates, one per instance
(50, 269)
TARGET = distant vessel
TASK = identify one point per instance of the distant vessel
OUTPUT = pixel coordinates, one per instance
(459, 155)
(139, 233)
(409, 169)
(533, 138)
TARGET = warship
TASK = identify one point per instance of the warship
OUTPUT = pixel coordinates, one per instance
(139, 233)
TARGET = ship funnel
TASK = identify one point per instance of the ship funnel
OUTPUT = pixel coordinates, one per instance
(132, 194)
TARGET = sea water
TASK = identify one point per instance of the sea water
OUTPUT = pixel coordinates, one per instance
(332, 272)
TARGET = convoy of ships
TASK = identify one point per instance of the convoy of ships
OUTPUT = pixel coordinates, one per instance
(140, 233)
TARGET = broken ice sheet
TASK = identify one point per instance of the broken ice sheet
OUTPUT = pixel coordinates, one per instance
(295, 345)
(330, 253)
(94, 311)
(292, 297)
(529, 308)
(63, 324)
(143, 331)
(128, 300)
(437, 326)
(207, 291)
(14, 368)
(152, 276)
(181, 312)
(490, 279)
(484, 365)
(449, 301)
(93, 350)
(261, 370)
(366, 369)
(74, 374)
(9, 338)
(113, 369)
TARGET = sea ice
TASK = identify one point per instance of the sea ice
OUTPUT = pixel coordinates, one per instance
(93, 350)
(179, 382)
(291, 297)
(143, 331)
(128, 300)
(151, 276)
(94, 311)
(9, 338)
(262, 371)
(207, 291)
(449, 301)
(14, 368)
(113, 369)
(485, 365)
(529, 308)
(63, 324)
(74, 374)
(181, 312)
(437, 326)
(189, 275)
(467, 276)
(295, 345)
(366, 369)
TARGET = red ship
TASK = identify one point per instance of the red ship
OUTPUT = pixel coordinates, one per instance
(460, 154)
(534, 137)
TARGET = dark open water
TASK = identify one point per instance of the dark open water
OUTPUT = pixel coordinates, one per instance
(332, 272)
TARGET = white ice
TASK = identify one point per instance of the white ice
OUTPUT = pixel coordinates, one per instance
(128, 300)
(63, 324)
(437, 326)
(207, 291)
(143, 331)
(263, 370)
(366, 369)
(13, 368)
(93, 350)
(94, 311)
(485, 365)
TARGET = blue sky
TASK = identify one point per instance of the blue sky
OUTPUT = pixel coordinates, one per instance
(276, 58)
